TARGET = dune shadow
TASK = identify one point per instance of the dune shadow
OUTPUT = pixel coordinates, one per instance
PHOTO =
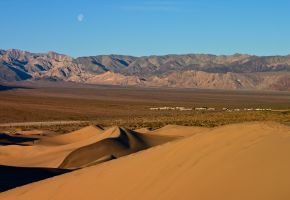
(12, 177)
(98, 152)
(6, 139)
(126, 143)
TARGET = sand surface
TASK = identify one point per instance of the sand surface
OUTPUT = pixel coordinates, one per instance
(239, 161)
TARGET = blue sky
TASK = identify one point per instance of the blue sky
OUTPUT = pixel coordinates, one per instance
(146, 27)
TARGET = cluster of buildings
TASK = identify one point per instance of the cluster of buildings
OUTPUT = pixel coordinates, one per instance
(258, 109)
(209, 109)
(246, 109)
(171, 108)
(183, 108)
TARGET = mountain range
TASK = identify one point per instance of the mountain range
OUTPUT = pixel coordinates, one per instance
(238, 71)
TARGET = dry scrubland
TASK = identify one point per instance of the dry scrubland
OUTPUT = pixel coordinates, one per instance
(129, 107)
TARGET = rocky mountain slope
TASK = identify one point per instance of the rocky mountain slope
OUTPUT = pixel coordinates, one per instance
(184, 71)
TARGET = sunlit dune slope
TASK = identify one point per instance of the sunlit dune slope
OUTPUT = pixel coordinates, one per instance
(241, 161)
(178, 131)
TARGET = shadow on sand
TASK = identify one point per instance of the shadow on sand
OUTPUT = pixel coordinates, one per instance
(12, 177)
(6, 139)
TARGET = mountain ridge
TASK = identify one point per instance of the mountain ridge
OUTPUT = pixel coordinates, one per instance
(238, 71)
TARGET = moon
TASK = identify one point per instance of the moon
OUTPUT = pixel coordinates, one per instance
(80, 17)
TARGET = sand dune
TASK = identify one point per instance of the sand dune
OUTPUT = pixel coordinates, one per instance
(117, 142)
(121, 142)
(240, 161)
(73, 137)
(51, 152)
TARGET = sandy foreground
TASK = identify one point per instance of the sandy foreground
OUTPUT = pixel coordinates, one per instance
(232, 162)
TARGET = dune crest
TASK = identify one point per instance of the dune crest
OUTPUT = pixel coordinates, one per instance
(75, 136)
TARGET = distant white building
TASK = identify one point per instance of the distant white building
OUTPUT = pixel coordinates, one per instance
(184, 109)
(200, 109)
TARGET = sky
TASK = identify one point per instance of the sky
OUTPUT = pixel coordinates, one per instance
(146, 27)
